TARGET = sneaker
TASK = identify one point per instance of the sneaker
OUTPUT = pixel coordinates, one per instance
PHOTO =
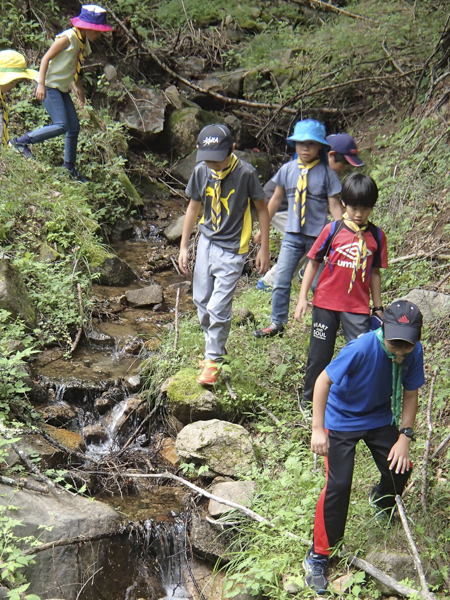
(270, 331)
(210, 373)
(383, 516)
(315, 566)
(261, 285)
(76, 174)
(21, 148)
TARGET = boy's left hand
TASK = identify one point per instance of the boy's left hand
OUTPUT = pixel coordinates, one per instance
(399, 455)
(262, 262)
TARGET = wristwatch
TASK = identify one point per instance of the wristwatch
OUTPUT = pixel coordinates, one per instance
(408, 431)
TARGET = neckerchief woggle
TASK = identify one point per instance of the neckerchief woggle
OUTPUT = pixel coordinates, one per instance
(302, 186)
(361, 253)
(216, 205)
(396, 380)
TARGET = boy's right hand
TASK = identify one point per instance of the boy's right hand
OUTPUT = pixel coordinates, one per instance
(183, 261)
(40, 92)
(257, 237)
(320, 442)
(301, 308)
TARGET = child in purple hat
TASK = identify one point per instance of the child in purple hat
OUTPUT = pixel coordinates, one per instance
(60, 69)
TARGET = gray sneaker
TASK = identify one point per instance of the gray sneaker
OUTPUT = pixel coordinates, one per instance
(315, 566)
(23, 149)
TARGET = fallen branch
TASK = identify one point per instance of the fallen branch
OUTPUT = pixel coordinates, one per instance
(331, 8)
(427, 445)
(421, 255)
(80, 455)
(394, 62)
(79, 539)
(31, 466)
(136, 433)
(24, 484)
(177, 303)
(80, 329)
(175, 266)
(269, 414)
(441, 446)
(425, 593)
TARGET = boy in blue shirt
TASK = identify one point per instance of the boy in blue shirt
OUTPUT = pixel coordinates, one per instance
(352, 402)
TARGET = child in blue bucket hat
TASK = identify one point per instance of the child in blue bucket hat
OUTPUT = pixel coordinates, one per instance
(311, 188)
(60, 69)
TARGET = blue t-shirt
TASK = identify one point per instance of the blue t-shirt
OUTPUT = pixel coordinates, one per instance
(322, 183)
(360, 397)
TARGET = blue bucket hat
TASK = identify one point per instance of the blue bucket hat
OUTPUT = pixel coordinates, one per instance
(309, 129)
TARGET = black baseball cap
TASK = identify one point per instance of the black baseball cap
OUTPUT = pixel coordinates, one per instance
(402, 321)
(214, 143)
(346, 145)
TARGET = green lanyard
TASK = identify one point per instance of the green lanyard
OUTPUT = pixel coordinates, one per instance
(396, 380)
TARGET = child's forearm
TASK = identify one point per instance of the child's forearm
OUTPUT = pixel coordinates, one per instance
(320, 399)
(275, 201)
(264, 223)
(409, 409)
(189, 221)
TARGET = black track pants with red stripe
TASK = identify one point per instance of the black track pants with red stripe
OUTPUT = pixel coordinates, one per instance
(332, 506)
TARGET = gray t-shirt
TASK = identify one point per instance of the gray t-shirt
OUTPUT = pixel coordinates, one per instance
(322, 183)
(238, 190)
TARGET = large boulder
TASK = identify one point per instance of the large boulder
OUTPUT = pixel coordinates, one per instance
(208, 541)
(113, 271)
(183, 127)
(433, 305)
(398, 565)
(14, 295)
(111, 563)
(224, 447)
(147, 296)
(144, 115)
(188, 401)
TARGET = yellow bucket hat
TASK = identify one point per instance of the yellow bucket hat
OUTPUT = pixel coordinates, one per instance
(14, 66)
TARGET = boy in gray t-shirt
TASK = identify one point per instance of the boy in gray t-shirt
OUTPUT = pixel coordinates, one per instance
(311, 188)
(227, 186)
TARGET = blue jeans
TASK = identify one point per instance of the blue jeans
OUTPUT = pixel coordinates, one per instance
(62, 112)
(293, 247)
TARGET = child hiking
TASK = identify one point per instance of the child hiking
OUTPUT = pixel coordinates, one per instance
(13, 68)
(352, 402)
(227, 186)
(343, 153)
(311, 188)
(60, 68)
(353, 251)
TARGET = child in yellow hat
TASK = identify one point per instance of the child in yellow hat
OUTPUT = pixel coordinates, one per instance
(13, 68)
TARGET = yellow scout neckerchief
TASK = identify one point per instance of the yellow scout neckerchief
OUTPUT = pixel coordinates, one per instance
(5, 118)
(302, 184)
(396, 380)
(361, 255)
(216, 205)
(80, 58)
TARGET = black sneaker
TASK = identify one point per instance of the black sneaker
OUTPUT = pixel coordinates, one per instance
(270, 331)
(76, 174)
(315, 566)
(23, 149)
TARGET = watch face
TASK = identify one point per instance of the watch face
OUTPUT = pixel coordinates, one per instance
(408, 431)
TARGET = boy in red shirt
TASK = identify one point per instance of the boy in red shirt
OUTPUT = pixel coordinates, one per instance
(354, 250)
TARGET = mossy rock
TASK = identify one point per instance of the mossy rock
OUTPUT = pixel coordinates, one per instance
(188, 401)
(14, 295)
(183, 127)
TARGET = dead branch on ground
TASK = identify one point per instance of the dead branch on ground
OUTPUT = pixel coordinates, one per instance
(441, 447)
(79, 539)
(23, 483)
(331, 8)
(80, 329)
(177, 304)
(428, 444)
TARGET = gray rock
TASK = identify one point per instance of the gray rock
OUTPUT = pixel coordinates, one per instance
(94, 434)
(146, 121)
(58, 414)
(236, 491)
(66, 567)
(188, 401)
(14, 346)
(31, 444)
(114, 272)
(206, 541)
(174, 230)
(242, 316)
(108, 399)
(14, 295)
(133, 383)
(397, 565)
(173, 95)
(96, 338)
(147, 296)
(183, 127)
(110, 72)
(224, 447)
(182, 170)
(194, 65)
(433, 305)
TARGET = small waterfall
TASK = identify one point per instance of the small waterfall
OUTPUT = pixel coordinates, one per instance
(59, 392)
(112, 425)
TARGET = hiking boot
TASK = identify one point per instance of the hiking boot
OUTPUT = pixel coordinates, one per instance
(270, 331)
(23, 149)
(261, 285)
(383, 516)
(76, 174)
(210, 373)
(315, 566)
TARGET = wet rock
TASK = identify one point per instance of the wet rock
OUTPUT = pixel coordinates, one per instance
(133, 346)
(14, 295)
(433, 305)
(174, 230)
(147, 296)
(175, 426)
(122, 230)
(146, 121)
(102, 340)
(188, 401)
(69, 439)
(133, 383)
(235, 491)
(161, 307)
(114, 272)
(32, 445)
(95, 434)
(224, 447)
(58, 414)
(168, 452)
(242, 316)
(183, 127)
(207, 543)
(184, 286)
(108, 399)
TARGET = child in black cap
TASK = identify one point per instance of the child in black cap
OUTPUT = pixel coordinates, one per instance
(359, 397)
(227, 186)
